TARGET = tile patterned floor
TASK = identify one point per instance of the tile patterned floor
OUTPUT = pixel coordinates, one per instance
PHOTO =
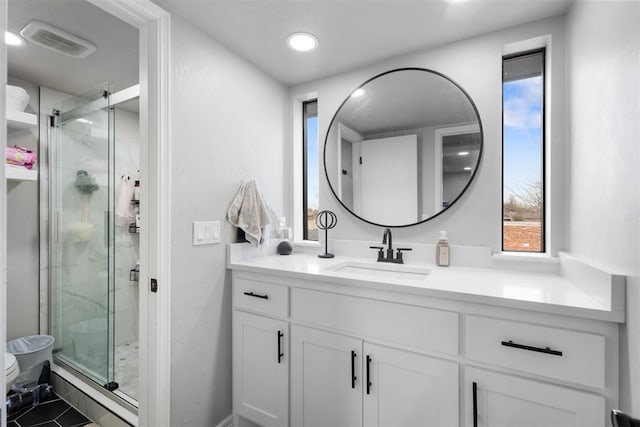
(52, 413)
(126, 369)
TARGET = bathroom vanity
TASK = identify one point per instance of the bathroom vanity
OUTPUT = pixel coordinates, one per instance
(327, 342)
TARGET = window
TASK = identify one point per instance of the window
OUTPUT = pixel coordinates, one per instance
(523, 146)
(310, 169)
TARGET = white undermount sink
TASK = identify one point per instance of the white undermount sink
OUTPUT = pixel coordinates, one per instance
(382, 270)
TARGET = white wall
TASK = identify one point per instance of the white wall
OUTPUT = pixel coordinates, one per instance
(475, 64)
(227, 126)
(603, 45)
(22, 235)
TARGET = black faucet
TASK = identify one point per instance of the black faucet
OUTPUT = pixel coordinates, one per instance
(387, 240)
(387, 234)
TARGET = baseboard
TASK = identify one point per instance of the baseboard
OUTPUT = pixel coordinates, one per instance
(227, 422)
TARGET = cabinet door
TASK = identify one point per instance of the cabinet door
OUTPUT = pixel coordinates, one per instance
(326, 384)
(408, 389)
(260, 369)
(505, 400)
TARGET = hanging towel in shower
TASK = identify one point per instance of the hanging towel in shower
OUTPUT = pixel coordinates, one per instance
(249, 212)
(125, 213)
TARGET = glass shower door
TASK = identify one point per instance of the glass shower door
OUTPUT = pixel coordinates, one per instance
(82, 235)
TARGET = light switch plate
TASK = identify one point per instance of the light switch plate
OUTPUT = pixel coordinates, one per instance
(206, 232)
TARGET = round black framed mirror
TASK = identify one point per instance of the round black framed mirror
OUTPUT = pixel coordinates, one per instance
(403, 147)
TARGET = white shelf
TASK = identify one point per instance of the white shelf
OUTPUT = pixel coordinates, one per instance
(21, 174)
(21, 120)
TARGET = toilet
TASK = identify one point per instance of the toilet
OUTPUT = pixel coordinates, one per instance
(11, 369)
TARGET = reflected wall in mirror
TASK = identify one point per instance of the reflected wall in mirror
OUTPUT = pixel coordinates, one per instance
(403, 147)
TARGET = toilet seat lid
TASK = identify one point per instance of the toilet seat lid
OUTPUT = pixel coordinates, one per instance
(10, 363)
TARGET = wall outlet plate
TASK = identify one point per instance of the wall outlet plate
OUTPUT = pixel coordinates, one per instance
(206, 232)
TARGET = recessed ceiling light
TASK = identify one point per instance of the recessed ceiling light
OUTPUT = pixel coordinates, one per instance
(467, 168)
(463, 153)
(12, 39)
(302, 42)
(358, 92)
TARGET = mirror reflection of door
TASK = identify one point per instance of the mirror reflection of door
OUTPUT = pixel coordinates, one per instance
(389, 179)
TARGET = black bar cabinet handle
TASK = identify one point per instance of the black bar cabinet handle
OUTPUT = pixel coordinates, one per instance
(368, 374)
(251, 294)
(475, 404)
(545, 350)
(353, 369)
(280, 353)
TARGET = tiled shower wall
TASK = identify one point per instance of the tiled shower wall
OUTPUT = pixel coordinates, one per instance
(127, 162)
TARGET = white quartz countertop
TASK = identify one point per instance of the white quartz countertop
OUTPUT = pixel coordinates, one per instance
(545, 292)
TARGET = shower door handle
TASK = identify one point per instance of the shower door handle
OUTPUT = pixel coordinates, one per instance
(55, 232)
(107, 216)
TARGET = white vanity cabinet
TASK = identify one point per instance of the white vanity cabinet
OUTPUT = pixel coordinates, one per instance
(326, 378)
(496, 400)
(360, 356)
(260, 356)
(338, 380)
(409, 389)
(552, 355)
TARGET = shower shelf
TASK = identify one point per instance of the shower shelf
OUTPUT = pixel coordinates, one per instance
(21, 120)
(20, 174)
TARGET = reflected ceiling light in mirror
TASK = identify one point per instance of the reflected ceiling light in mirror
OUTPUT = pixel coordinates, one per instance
(357, 93)
(463, 153)
(302, 42)
(467, 168)
(13, 39)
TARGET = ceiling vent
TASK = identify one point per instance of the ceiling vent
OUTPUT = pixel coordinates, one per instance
(57, 40)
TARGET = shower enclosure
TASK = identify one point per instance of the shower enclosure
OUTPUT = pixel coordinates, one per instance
(92, 259)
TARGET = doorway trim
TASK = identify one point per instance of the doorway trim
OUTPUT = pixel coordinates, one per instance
(3, 195)
(154, 25)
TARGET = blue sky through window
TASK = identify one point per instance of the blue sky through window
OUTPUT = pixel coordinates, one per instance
(522, 102)
(313, 196)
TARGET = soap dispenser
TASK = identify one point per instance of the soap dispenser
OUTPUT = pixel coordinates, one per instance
(442, 250)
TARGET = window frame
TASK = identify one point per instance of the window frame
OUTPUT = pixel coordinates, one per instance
(543, 177)
(305, 205)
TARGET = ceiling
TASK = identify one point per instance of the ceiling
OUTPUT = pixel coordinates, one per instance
(115, 61)
(351, 33)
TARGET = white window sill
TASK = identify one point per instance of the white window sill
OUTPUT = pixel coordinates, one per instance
(538, 258)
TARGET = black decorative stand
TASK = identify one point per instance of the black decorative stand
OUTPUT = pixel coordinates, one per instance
(326, 220)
